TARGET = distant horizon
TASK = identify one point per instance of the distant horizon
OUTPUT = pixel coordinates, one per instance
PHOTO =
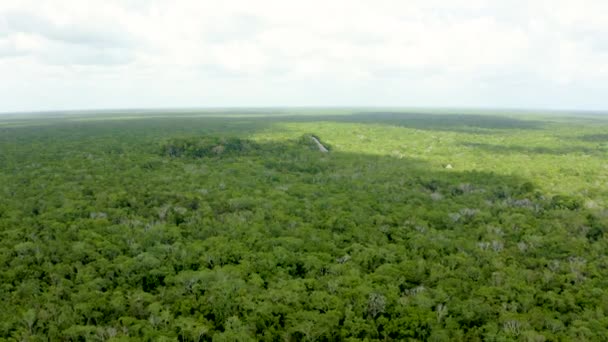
(274, 109)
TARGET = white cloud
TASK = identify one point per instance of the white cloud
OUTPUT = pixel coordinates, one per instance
(143, 53)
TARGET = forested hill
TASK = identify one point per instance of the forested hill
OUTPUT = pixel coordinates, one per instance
(237, 228)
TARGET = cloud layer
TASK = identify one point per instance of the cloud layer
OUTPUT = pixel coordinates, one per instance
(109, 54)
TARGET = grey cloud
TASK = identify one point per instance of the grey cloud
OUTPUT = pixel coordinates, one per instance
(70, 45)
(8, 49)
(87, 56)
(3, 27)
(8, 52)
(81, 35)
(597, 40)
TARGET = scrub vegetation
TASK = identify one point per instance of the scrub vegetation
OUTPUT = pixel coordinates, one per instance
(233, 226)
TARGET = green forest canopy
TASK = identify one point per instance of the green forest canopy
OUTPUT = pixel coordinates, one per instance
(201, 227)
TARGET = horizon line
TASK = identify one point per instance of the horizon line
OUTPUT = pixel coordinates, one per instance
(535, 110)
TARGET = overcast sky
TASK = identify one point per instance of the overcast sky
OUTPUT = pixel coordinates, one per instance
(75, 54)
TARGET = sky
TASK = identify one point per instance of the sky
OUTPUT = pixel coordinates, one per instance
(105, 54)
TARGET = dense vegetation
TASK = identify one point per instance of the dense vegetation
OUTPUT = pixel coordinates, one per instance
(194, 227)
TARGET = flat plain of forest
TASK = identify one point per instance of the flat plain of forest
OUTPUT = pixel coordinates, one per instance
(231, 225)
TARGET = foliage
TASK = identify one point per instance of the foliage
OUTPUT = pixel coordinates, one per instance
(199, 228)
